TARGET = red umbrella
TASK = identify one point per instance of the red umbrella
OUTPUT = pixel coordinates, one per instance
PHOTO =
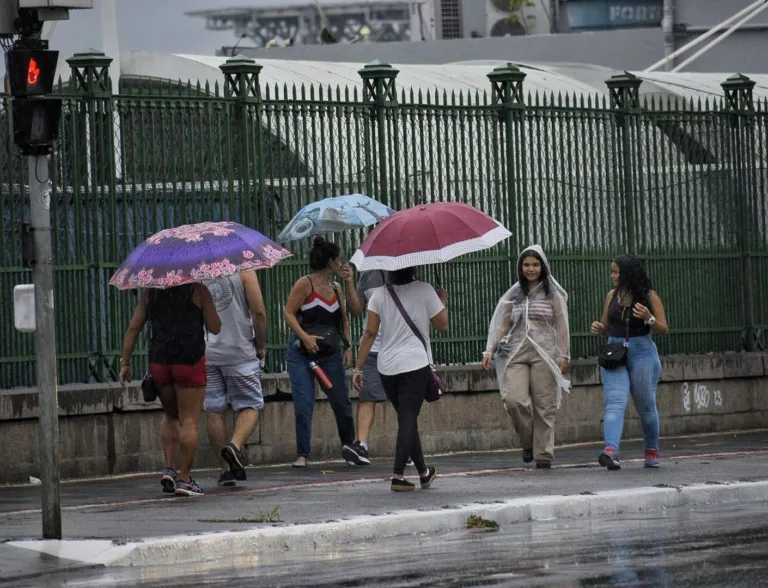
(426, 234)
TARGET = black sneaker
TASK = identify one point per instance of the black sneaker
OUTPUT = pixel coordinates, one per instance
(543, 464)
(527, 455)
(235, 460)
(427, 480)
(356, 454)
(226, 479)
(168, 481)
(402, 485)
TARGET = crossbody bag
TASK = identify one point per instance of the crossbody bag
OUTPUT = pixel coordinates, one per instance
(614, 355)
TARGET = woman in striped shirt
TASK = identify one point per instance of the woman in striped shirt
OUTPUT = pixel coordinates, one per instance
(529, 339)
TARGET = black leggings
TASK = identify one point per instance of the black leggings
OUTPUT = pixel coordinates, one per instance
(406, 392)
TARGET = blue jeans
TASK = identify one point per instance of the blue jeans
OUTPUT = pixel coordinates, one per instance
(639, 376)
(303, 390)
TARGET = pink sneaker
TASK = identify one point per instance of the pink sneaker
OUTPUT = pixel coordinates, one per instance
(652, 458)
(188, 488)
(609, 459)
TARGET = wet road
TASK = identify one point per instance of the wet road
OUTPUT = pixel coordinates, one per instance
(714, 546)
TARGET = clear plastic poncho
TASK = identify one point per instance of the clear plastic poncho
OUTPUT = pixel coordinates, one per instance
(511, 327)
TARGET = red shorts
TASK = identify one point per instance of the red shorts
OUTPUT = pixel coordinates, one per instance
(180, 376)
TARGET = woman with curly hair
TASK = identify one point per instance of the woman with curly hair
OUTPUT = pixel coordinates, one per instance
(632, 311)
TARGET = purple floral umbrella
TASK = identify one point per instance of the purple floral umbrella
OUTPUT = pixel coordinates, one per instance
(193, 253)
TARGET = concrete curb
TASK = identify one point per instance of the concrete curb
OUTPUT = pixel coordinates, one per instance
(184, 549)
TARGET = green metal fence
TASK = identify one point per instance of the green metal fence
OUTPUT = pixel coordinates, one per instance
(682, 185)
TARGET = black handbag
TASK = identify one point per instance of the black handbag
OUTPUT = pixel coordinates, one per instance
(435, 386)
(614, 355)
(328, 345)
(148, 388)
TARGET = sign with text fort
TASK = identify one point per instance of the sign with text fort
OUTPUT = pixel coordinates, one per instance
(613, 14)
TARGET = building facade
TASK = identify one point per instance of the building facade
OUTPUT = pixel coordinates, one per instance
(620, 34)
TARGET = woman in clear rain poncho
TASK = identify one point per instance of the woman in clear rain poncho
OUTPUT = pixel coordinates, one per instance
(529, 338)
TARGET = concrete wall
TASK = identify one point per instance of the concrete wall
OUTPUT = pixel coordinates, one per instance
(106, 430)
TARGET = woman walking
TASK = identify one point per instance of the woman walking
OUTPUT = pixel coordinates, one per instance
(529, 337)
(404, 360)
(178, 318)
(632, 311)
(316, 313)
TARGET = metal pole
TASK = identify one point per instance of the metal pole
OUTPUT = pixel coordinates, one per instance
(668, 26)
(111, 46)
(45, 345)
(722, 37)
(706, 35)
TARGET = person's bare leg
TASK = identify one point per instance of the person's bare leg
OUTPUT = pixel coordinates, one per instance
(169, 434)
(366, 411)
(169, 437)
(217, 435)
(190, 401)
(245, 424)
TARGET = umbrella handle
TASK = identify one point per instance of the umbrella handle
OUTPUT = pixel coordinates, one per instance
(437, 279)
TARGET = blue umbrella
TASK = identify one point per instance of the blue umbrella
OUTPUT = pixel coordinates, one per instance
(335, 214)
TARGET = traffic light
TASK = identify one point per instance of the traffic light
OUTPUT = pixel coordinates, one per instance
(35, 114)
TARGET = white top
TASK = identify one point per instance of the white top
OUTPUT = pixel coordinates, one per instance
(401, 351)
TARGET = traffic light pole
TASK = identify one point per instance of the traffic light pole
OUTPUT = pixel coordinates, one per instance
(45, 344)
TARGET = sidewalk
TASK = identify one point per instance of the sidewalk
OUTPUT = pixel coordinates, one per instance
(133, 509)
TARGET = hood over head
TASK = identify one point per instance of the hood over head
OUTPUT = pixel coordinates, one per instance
(539, 251)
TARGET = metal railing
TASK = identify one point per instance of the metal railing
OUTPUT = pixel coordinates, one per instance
(682, 185)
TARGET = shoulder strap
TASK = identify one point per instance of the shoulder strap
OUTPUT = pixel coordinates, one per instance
(626, 321)
(405, 316)
(311, 285)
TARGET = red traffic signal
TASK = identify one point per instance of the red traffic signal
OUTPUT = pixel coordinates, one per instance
(31, 73)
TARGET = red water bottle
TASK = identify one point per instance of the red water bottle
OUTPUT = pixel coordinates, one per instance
(320, 375)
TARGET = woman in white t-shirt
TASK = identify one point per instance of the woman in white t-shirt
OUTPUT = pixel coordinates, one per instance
(403, 362)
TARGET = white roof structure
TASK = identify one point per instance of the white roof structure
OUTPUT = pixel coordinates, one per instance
(571, 79)
(677, 154)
